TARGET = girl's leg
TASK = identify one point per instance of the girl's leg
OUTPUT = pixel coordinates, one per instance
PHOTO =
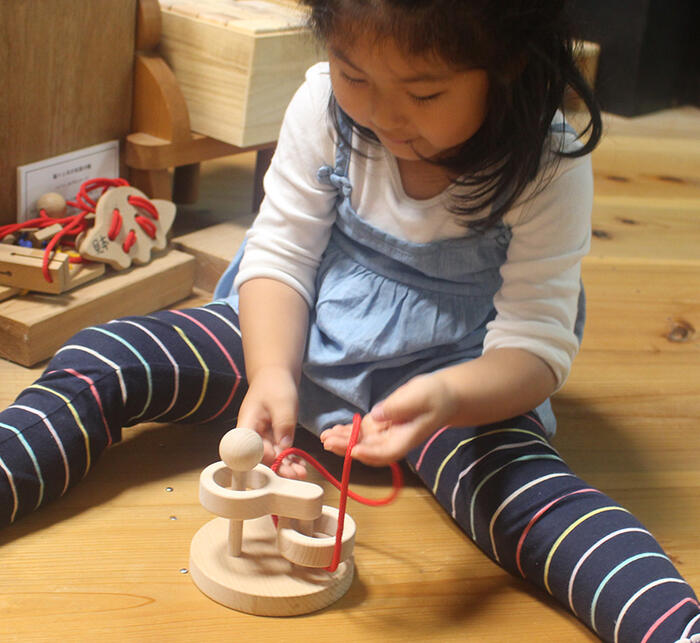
(511, 492)
(172, 366)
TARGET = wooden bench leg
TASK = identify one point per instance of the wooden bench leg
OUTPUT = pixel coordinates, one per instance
(186, 183)
(155, 184)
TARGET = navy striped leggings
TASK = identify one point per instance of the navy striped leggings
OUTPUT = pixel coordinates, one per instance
(504, 484)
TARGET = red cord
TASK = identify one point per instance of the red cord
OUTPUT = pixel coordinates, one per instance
(76, 223)
(129, 241)
(344, 484)
(115, 225)
(144, 204)
(146, 225)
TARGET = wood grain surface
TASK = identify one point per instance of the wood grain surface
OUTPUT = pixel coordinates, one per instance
(66, 69)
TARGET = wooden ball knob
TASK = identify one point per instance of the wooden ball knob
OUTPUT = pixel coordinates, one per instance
(53, 204)
(241, 449)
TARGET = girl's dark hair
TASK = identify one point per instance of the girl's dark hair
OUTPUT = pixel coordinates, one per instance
(526, 48)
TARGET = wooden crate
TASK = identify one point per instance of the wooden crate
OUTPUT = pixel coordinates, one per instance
(238, 64)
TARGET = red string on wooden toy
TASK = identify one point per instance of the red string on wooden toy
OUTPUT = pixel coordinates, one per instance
(74, 224)
(344, 484)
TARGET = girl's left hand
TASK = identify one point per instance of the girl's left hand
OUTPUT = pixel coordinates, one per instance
(404, 420)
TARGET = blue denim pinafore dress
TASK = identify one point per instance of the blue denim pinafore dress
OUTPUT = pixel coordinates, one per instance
(387, 309)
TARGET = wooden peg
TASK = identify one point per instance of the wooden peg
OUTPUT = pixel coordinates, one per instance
(53, 203)
(241, 451)
(40, 236)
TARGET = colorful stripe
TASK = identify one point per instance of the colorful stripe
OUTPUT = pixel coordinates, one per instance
(205, 374)
(227, 322)
(465, 472)
(689, 627)
(531, 524)
(76, 417)
(454, 451)
(113, 365)
(523, 458)
(13, 488)
(663, 617)
(170, 358)
(534, 420)
(567, 531)
(635, 596)
(609, 576)
(512, 497)
(54, 435)
(590, 551)
(32, 455)
(225, 353)
(428, 444)
(139, 357)
(96, 397)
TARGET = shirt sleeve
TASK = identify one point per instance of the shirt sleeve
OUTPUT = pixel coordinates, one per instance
(292, 229)
(537, 304)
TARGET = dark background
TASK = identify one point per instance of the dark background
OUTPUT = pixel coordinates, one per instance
(649, 58)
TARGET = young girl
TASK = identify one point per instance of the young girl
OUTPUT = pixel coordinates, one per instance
(416, 259)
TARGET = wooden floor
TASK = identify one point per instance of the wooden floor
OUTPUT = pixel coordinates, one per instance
(108, 561)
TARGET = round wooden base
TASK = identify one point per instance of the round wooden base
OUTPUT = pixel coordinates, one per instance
(260, 581)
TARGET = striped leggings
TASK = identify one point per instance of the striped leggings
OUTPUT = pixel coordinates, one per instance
(504, 484)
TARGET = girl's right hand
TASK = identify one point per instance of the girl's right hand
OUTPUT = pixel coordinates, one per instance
(270, 408)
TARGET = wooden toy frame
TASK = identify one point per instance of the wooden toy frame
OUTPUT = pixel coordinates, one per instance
(246, 562)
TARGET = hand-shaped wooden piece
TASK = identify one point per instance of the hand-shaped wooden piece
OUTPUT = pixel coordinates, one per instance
(128, 226)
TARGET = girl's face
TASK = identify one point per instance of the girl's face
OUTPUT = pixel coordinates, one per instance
(416, 107)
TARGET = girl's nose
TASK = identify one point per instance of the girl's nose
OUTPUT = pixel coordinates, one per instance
(385, 113)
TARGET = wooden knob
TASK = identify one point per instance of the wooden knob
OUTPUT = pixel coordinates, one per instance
(241, 449)
(53, 204)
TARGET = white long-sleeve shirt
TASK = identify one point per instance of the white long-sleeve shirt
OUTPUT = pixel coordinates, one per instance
(537, 304)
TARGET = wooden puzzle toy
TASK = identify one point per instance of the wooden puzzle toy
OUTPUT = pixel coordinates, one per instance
(23, 268)
(57, 251)
(128, 226)
(275, 549)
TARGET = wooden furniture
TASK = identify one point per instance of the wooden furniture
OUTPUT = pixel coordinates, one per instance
(161, 138)
(209, 84)
(237, 63)
(109, 561)
(67, 79)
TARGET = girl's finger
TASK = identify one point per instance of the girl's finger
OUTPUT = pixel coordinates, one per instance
(335, 444)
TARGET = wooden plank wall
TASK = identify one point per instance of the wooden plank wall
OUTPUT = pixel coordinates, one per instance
(66, 76)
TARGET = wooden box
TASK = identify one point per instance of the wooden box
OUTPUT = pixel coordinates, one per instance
(238, 63)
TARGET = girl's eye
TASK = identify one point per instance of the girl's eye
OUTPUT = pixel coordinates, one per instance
(351, 79)
(425, 99)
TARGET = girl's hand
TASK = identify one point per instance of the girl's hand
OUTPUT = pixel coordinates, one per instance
(404, 420)
(270, 408)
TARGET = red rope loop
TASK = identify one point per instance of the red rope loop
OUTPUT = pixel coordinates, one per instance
(115, 225)
(344, 484)
(129, 241)
(144, 204)
(146, 225)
